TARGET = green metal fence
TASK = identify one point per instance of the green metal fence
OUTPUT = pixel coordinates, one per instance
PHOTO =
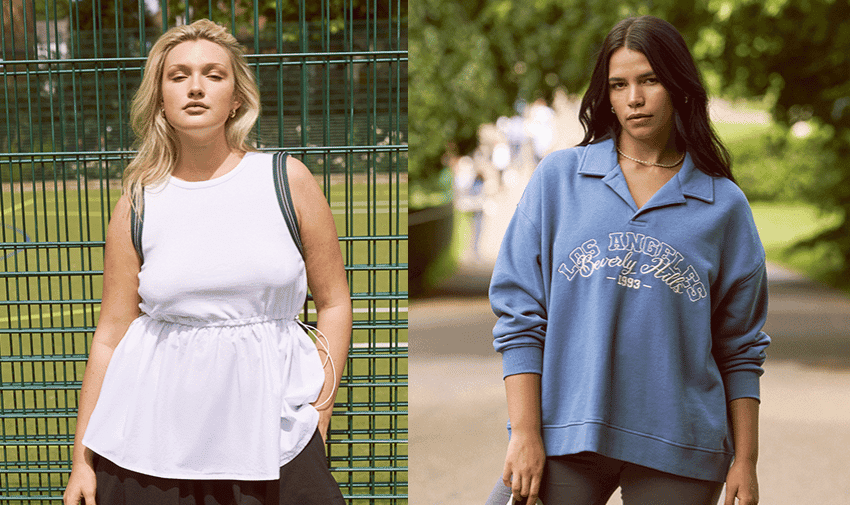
(333, 80)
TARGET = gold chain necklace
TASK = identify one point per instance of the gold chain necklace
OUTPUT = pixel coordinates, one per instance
(624, 155)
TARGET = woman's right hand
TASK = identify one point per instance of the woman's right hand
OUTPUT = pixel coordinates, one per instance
(81, 485)
(524, 464)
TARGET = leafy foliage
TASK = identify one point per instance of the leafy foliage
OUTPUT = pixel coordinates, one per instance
(472, 60)
(333, 11)
(796, 53)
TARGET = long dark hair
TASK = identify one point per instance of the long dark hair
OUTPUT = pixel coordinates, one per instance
(674, 66)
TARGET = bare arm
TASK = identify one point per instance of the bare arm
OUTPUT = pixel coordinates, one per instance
(526, 455)
(741, 482)
(118, 308)
(326, 278)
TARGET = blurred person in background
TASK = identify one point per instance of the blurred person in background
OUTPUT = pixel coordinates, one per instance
(514, 131)
(501, 160)
(202, 386)
(540, 124)
(631, 292)
(469, 197)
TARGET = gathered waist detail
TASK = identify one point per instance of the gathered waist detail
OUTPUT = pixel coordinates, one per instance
(203, 323)
(230, 398)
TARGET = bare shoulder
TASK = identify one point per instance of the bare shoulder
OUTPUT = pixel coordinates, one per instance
(120, 219)
(322, 254)
(299, 175)
(122, 207)
(119, 238)
(307, 196)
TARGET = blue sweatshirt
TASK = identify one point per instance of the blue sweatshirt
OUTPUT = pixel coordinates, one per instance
(644, 323)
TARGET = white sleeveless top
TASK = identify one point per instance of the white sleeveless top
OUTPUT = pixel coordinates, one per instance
(214, 379)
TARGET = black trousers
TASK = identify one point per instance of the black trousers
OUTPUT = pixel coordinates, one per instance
(303, 481)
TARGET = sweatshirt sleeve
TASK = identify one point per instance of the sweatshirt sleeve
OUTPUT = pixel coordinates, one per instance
(739, 343)
(517, 293)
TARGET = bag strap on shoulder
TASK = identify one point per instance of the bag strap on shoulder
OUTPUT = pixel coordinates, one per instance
(284, 198)
(136, 223)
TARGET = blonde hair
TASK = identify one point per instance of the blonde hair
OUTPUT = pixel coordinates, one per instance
(156, 141)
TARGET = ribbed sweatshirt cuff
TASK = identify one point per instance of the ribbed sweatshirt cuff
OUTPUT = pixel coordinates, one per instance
(519, 360)
(742, 384)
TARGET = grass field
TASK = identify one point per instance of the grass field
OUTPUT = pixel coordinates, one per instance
(733, 132)
(782, 225)
(49, 304)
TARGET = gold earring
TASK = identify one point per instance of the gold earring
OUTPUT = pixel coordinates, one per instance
(233, 113)
(162, 110)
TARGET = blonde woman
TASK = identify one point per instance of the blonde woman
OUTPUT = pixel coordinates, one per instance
(202, 387)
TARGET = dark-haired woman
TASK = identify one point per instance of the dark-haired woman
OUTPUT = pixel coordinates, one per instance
(630, 289)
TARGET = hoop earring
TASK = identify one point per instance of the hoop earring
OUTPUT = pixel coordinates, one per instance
(612, 110)
(162, 111)
(233, 113)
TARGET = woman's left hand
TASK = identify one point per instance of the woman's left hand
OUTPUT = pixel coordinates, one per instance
(327, 281)
(742, 483)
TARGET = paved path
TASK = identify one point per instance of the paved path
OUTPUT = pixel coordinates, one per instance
(457, 406)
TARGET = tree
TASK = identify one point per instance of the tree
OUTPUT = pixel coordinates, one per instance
(472, 60)
(92, 97)
(798, 53)
(18, 43)
(332, 11)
